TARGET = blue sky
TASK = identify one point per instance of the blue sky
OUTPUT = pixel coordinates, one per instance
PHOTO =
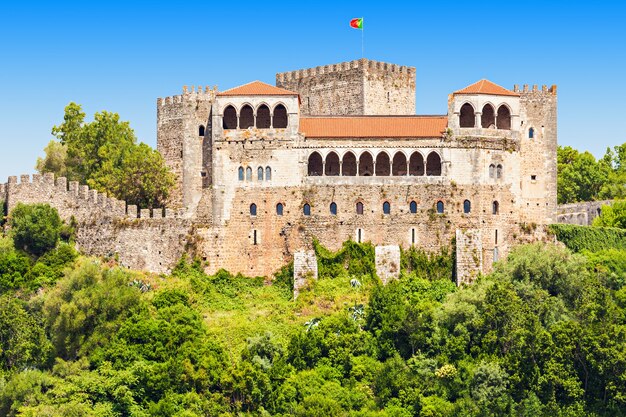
(120, 57)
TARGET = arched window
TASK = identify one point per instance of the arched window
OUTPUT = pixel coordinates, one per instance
(467, 206)
(440, 207)
(413, 207)
(280, 119)
(488, 118)
(495, 207)
(348, 165)
(240, 173)
(504, 118)
(315, 165)
(279, 209)
(306, 210)
(499, 171)
(230, 118)
(332, 164)
(253, 209)
(492, 171)
(359, 208)
(263, 119)
(531, 133)
(386, 208)
(416, 164)
(246, 117)
(467, 118)
(248, 174)
(333, 208)
(201, 130)
(366, 165)
(268, 173)
(399, 164)
(383, 166)
(433, 164)
(259, 174)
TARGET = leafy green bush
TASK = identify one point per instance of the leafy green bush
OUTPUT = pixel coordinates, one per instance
(36, 228)
(594, 239)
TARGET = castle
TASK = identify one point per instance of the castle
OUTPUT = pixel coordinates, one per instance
(330, 153)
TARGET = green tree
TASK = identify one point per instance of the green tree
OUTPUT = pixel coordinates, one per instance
(36, 228)
(580, 176)
(612, 215)
(105, 155)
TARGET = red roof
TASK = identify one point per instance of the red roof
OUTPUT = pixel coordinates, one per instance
(486, 87)
(373, 126)
(257, 88)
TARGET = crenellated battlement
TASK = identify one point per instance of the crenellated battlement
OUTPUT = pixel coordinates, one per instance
(72, 199)
(345, 66)
(190, 93)
(535, 89)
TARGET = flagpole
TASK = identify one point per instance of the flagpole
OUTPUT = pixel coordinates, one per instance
(362, 38)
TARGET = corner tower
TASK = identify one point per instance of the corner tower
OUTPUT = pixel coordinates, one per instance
(361, 87)
(183, 123)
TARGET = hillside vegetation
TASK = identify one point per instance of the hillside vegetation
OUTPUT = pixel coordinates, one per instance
(543, 335)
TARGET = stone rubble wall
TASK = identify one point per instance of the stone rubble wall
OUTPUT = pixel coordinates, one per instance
(304, 269)
(469, 259)
(582, 213)
(387, 260)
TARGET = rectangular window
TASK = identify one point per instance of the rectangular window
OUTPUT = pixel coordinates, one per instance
(412, 236)
(359, 235)
(533, 178)
(254, 239)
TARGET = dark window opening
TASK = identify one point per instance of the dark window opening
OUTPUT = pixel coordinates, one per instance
(504, 118)
(386, 208)
(416, 164)
(399, 164)
(359, 235)
(280, 119)
(268, 173)
(412, 236)
(495, 207)
(306, 210)
(279, 209)
(496, 237)
(201, 131)
(413, 207)
(499, 171)
(254, 240)
(533, 177)
(263, 118)
(240, 173)
(383, 166)
(440, 207)
(366, 165)
(467, 206)
(246, 117)
(492, 171)
(467, 117)
(488, 118)
(531, 133)
(253, 209)
(315, 164)
(259, 174)
(248, 174)
(348, 165)
(332, 164)
(230, 118)
(359, 208)
(433, 164)
(333, 209)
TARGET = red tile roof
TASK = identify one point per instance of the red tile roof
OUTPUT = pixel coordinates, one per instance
(486, 87)
(373, 126)
(257, 88)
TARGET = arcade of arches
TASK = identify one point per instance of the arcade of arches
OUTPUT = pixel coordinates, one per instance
(261, 119)
(489, 118)
(366, 165)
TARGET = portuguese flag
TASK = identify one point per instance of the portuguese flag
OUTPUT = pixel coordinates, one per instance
(357, 23)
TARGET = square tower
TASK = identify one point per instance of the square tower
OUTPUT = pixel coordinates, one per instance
(361, 87)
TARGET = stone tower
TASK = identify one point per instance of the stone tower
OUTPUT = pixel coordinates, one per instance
(183, 138)
(361, 87)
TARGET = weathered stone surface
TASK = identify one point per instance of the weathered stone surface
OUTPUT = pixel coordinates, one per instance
(304, 269)
(387, 262)
(469, 255)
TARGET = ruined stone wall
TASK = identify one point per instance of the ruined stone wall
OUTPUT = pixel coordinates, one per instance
(359, 87)
(304, 269)
(538, 174)
(387, 259)
(582, 213)
(469, 262)
(178, 140)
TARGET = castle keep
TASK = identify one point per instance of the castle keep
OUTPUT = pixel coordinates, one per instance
(331, 153)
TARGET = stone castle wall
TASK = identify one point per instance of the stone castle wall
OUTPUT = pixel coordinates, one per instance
(361, 87)
(582, 213)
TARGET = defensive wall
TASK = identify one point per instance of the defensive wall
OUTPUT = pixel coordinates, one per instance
(582, 213)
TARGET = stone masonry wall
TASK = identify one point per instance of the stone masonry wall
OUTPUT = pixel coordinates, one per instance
(304, 269)
(353, 88)
(581, 213)
(469, 259)
(387, 260)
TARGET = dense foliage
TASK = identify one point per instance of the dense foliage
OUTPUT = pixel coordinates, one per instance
(35, 228)
(583, 178)
(105, 155)
(594, 239)
(543, 335)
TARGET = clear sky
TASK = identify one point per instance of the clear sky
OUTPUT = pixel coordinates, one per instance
(120, 57)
